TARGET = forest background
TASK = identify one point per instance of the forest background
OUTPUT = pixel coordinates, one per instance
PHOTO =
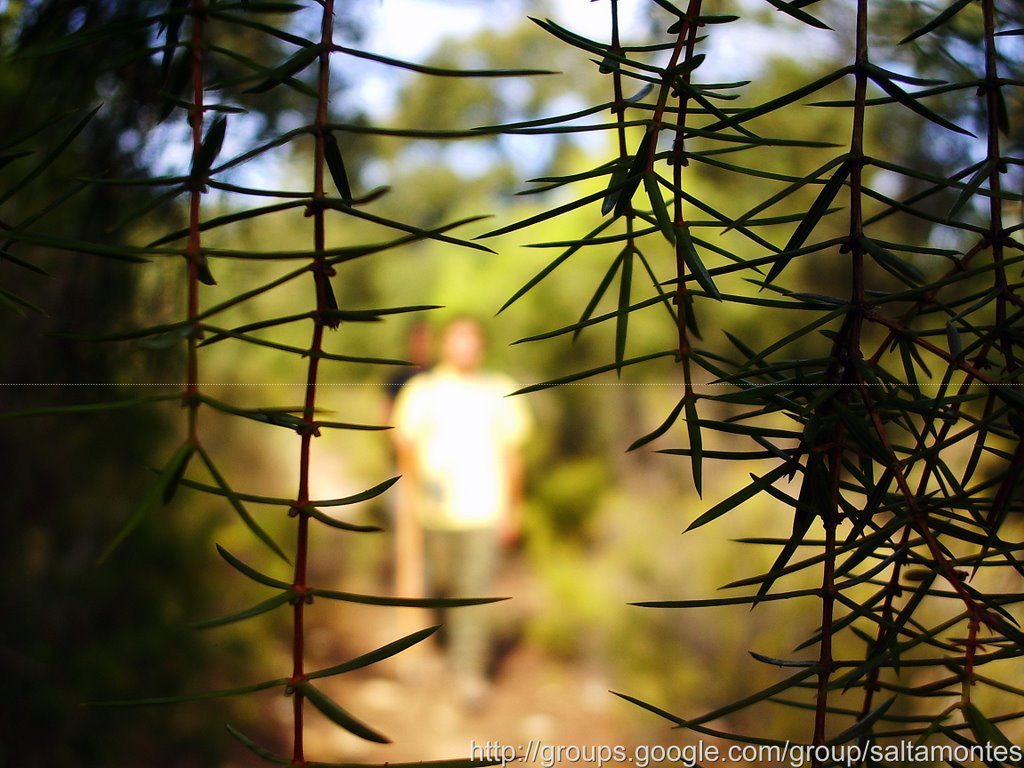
(95, 105)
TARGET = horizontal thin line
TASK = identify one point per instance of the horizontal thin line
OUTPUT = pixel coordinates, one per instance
(385, 385)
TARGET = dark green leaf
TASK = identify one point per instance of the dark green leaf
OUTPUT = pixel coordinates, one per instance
(693, 431)
(19, 304)
(970, 189)
(442, 71)
(911, 101)
(757, 485)
(658, 207)
(599, 292)
(782, 662)
(662, 429)
(162, 489)
(953, 339)
(267, 605)
(338, 715)
(634, 175)
(50, 156)
(173, 20)
(937, 21)
(862, 726)
(236, 504)
(1002, 114)
(715, 602)
(251, 572)
(775, 104)
(160, 340)
(111, 405)
(615, 186)
(384, 652)
(329, 317)
(187, 697)
(179, 471)
(337, 167)
(208, 150)
(622, 320)
(818, 209)
(334, 522)
(651, 708)
(118, 30)
(19, 262)
(695, 263)
(573, 377)
(256, 749)
(793, 9)
(984, 729)
(293, 66)
(406, 602)
(203, 270)
(890, 261)
(813, 500)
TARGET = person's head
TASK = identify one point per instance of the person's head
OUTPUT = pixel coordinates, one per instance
(463, 344)
(420, 344)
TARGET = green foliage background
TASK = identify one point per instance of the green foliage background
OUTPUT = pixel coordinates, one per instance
(872, 453)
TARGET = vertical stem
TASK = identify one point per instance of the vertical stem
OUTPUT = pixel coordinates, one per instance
(619, 110)
(828, 597)
(849, 350)
(687, 36)
(320, 277)
(620, 103)
(192, 248)
(996, 235)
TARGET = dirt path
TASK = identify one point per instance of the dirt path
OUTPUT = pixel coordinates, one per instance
(536, 705)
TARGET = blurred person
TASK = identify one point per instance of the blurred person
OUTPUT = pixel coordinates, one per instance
(408, 540)
(419, 350)
(459, 440)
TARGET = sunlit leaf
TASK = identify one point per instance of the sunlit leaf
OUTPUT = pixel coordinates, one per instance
(384, 652)
(338, 715)
(241, 511)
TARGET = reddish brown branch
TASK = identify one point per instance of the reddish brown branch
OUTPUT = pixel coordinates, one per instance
(320, 278)
(194, 244)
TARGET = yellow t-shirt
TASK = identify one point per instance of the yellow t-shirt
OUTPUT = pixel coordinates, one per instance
(460, 428)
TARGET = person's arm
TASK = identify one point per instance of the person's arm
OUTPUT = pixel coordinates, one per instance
(512, 524)
(408, 533)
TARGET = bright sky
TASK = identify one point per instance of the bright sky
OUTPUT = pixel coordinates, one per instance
(411, 29)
